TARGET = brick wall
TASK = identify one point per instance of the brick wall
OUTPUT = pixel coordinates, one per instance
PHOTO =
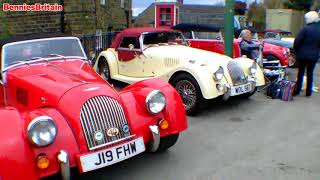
(28, 22)
(79, 17)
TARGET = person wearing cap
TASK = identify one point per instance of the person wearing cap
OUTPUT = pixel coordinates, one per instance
(307, 51)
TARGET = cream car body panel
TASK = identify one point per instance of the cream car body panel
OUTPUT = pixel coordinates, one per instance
(164, 61)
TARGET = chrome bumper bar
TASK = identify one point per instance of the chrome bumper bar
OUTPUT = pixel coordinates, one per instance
(63, 158)
(154, 144)
(227, 94)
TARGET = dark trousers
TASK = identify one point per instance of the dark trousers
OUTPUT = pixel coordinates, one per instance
(310, 66)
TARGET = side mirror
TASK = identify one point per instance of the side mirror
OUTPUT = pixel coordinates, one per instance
(131, 46)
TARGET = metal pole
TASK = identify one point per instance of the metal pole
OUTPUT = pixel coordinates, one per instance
(229, 27)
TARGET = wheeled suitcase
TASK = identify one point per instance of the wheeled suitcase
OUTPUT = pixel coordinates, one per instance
(286, 90)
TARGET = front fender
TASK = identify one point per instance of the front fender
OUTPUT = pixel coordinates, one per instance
(204, 77)
(139, 116)
(16, 156)
(111, 56)
(246, 63)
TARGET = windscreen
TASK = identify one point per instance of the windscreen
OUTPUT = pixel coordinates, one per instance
(27, 50)
(163, 38)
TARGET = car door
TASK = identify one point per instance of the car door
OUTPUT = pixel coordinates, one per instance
(190, 39)
(207, 41)
(130, 57)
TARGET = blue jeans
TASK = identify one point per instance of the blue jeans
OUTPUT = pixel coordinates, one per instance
(310, 66)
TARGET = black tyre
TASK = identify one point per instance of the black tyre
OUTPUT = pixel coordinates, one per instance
(248, 95)
(167, 142)
(270, 57)
(103, 69)
(190, 93)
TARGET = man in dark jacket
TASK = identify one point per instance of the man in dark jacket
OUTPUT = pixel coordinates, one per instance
(307, 51)
(249, 48)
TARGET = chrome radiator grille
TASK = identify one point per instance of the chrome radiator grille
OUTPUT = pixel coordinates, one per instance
(236, 72)
(100, 114)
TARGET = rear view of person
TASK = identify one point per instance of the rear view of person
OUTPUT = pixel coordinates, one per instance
(307, 51)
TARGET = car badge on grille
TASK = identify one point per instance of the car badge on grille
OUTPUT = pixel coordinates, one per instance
(98, 136)
(111, 132)
(125, 128)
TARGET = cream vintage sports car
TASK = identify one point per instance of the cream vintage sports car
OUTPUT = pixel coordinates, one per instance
(142, 53)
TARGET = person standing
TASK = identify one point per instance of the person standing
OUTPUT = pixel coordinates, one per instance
(307, 50)
(319, 18)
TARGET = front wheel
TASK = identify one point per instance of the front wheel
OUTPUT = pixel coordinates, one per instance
(167, 142)
(190, 93)
(103, 69)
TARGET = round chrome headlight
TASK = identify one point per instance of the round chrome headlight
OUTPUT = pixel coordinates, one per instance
(155, 101)
(253, 69)
(218, 75)
(42, 131)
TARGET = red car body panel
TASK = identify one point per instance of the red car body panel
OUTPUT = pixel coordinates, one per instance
(59, 89)
(278, 52)
(125, 55)
(218, 47)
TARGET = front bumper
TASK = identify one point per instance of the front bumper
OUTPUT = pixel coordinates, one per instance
(227, 94)
(63, 157)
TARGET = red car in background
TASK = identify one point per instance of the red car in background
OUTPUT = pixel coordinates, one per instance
(57, 113)
(208, 37)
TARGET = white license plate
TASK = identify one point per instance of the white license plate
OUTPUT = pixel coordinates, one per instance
(112, 155)
(237, 90)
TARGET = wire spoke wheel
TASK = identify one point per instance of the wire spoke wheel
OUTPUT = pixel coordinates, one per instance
(188, 93)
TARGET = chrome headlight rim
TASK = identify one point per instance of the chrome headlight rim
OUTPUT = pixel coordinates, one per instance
(31, 130)
(219, 74)
(150, 97)
(253, 69)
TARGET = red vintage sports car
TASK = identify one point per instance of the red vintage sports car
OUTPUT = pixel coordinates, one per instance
(209, 37)
(56, 113)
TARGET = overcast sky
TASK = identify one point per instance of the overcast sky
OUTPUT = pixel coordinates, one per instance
(140, 5)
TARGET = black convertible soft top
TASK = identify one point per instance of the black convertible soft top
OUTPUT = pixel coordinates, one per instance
(31, 36)
(185, 27)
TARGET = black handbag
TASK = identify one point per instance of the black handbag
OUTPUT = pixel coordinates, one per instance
(273, 90)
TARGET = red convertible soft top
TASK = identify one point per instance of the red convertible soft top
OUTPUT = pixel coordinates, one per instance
(31, 36)
(136, 32)
(185, 27)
